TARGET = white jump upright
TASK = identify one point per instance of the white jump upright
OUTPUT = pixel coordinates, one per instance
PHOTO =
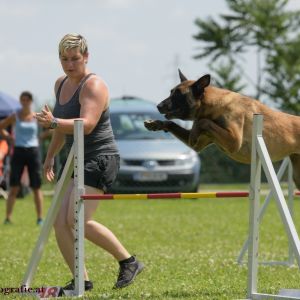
(74, 163)
(49, 220)
(260, 157)
(285, 165)
(79, 208)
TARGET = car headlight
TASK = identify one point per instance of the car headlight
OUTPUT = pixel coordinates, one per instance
(185, 160)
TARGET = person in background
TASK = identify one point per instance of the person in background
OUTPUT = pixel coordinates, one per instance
(82, 94)
(25, 153)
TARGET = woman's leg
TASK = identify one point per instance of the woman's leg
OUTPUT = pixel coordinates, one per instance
(33, 163)
(64, 232)
(11, 200)
(38, 201)
(130, 267)
(17, 166)
(96, 232)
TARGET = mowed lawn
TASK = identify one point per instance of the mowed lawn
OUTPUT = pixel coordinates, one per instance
(189, 248)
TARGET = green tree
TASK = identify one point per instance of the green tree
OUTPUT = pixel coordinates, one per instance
(227, 76)
(265, 28)
(283, 76)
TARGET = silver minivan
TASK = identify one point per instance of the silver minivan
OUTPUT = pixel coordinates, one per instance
(151, 162)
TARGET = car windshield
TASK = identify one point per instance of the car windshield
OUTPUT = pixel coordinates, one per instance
(130, 126)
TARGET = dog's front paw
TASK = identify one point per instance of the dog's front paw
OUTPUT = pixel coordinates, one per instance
(154, 125)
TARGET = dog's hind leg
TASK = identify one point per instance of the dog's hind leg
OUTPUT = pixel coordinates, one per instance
(295, 159)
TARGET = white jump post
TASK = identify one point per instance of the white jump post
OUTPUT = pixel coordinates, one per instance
(75, 162)
(260, 157)
(286, 164)
(49, 221)
(79, 208)
(291, 188)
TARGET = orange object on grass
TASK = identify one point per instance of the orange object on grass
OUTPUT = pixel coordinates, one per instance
(3, 153)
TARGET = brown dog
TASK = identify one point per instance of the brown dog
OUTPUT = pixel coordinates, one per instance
(224, 118)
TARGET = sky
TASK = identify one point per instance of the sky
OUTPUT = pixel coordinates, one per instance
(136, 46)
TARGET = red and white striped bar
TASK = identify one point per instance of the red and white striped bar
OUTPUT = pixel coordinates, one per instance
(226, 194)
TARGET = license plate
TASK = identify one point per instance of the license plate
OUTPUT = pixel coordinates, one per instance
(150, 176)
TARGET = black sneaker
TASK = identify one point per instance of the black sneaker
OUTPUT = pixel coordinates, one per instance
(88, 285)
(128, 272)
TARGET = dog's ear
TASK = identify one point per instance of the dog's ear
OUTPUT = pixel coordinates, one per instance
(182, 77)
(199, 85)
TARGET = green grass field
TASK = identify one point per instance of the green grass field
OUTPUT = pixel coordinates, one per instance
(189, 248)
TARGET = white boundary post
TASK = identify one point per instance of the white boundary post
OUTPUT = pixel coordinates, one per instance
(51, 215)
(291, 189)
(254, 202)
(75, 162)
(79, 208)
(260, 156)
(286, 163)
(279, 197)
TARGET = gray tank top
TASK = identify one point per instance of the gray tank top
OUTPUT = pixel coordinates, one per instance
(101, 139)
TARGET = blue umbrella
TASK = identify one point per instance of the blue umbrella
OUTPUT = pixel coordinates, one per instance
(8, 105)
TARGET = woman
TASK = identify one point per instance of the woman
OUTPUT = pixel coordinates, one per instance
(26, 153)
(82, 94)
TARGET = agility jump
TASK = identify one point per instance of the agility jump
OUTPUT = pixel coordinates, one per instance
(166, 196)
(260, 158)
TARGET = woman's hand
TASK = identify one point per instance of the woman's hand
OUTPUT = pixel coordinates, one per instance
(48, 169)
(45, 117)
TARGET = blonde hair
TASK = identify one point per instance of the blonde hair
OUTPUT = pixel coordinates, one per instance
(72, 40)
